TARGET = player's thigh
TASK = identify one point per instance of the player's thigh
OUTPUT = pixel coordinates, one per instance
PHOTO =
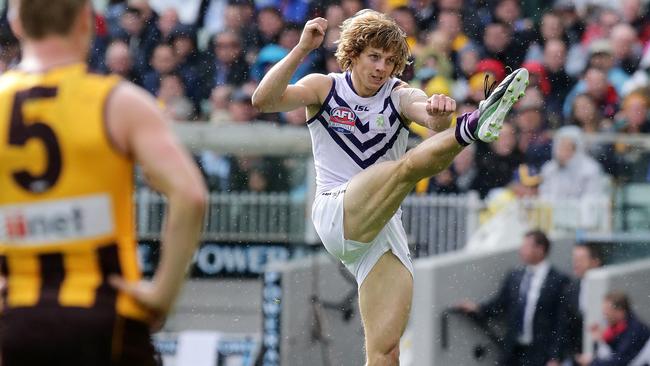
(385, 303)
(372, 197)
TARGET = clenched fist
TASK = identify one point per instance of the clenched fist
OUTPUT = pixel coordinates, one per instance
(440, 105)
(313, 34)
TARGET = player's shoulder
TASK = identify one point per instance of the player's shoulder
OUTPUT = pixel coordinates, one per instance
(319, 84)
(317, 81)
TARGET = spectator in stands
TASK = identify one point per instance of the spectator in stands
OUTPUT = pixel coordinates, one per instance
(112, 14)
(524, 185)
(240, 108)
(443, 183)
(495, 166)
(634, 117)
(296, 117)
(464, 169)
(425, 14)
(99, 43)
(270, 25)
(138, 29)
(229, 65)
(434, 69)
(533, 137)
(118, 61)
(190, 62)
(586, 115)
(451, 23)
(594, 83)
(468, 59)
(602, 57)
(509, 12)
(550, 29)
(162, 62)
(585, 257)
(498, 44)
(270, 54)
(351, 7)
(172, 98)
(602, 25)
(572, 23)
(623, 337)
(259, 174)
(635, 13)
(219, 101)
(625, 47)
(530, 300)
(167, 21)
(405, 18)
(572, 173)
(240, 18)
(554, 59)
(334, 15)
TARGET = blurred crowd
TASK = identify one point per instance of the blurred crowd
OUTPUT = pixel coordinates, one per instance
(588, 59)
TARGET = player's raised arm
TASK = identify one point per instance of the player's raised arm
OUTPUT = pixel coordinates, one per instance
(274, 94)
(433, 113)
(139, 129)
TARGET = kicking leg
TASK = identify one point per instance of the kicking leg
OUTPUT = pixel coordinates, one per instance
(374, 195)
(385, 302)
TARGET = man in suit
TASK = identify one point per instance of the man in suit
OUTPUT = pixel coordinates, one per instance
(585, 257)
(623, 337)
(529, 299)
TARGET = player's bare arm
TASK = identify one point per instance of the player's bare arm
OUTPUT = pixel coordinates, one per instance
(274, 94)
(433, 113)
(139, 129)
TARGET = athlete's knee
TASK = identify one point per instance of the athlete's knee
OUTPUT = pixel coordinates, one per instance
(387, 357)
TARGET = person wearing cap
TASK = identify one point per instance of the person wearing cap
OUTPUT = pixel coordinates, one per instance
(524, 185)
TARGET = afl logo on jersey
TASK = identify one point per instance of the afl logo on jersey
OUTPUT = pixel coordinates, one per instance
(342, 120)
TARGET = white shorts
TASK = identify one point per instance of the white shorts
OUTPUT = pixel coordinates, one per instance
(359, 258)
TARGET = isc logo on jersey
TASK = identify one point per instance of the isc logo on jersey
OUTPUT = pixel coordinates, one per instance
(56, 221)
(342, 120)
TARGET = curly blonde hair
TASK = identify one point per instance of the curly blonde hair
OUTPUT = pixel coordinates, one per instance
(369, 28)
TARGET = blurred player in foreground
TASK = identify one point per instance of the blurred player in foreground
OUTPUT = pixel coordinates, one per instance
(69, 139)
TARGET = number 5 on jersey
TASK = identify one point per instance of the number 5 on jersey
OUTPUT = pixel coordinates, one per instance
(21, 131)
